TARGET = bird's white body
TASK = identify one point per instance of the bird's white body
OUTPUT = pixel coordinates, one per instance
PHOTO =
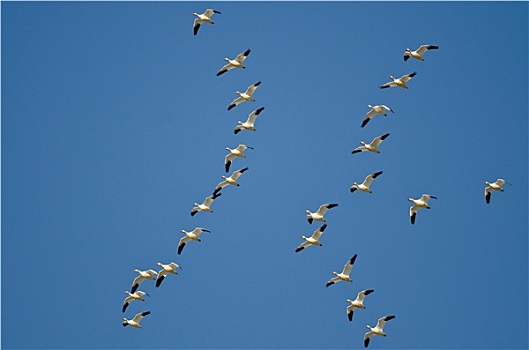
(494, 186)
(417, 54)
(379, 109)
(418, 204)
(312, 240)
(401, 82)
(201, 18)
(371, 147)
(142, 276)
(206, 206)
(249, 123)
(166, 270)
(358, 303)
(232, 180)
(135, 322)
(236, 63)
(377, 330)
(318, 215)
(138, 295)
(234, 153)
(190, 236)
(244, 96)
(344, 275)
(364, 186)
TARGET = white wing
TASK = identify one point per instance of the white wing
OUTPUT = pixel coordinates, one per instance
(242, 56)
(500, 182)
(139, 316)
(238, 173)
(349, 265)
(252, 88)
(241, 148)
(425, 198)
(378, 140)
(317, 234)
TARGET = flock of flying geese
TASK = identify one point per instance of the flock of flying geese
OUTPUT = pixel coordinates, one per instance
(314, 239)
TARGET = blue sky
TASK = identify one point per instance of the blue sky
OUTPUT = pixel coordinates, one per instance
(114, 123)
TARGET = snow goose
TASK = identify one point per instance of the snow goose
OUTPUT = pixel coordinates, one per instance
(344, 275)
(236, 63)
(166, 269)
(206, 206)
(249, 123)
(418, 204)
(193, 235)
(377, 330)
(234, 153)
(312, 240)
(142, 276)
(319, 214)
(246, 96)
(205, 17)
(399, 82)
(138, 295)
(358, 303)
(135, 322)
(379, 109)
(232, 180)
(371, 147)
(495, 186)
(417, 54)
(364, 186)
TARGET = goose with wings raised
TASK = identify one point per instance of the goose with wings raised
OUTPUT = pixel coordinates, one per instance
(401, 82)
(344, 275)
(138, 295)
(135, 322)
(495, 186)
(232, 180)
(206, 206)
(379, 109)
(364, 186)
(236, 63)
(377, 330)
(312, 240)
(249, 123)
(166, 270)
(358, 303)
(418, 204)
(234, 153)
(203, 18)
(245, 96)
(142, 276)
(417, 54)
(318, 215)
(190, 236)
(371, 147)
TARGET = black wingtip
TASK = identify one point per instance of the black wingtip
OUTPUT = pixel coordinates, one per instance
(236, 131)
(332, 205)
(259, 111)
(384, 86)
(221, 72)
(377, 174)
(384, 136)
(227, 166)
(353, 259)
(247, 52)
(299, 249)
(413, 74)
(310, 220)
(180, 248)
(257, 84)
(389, 317)
(230, 107)
(350, 316)
(406, 57)
(413, 218)
(323, 227)
(124, 307)
(364, 123)
(329, 284)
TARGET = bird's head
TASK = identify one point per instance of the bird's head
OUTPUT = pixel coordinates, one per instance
(335, 273)
(183, 231)
(195, 14)
(303, 237)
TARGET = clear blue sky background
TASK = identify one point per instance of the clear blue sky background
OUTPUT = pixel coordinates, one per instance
(114, 123)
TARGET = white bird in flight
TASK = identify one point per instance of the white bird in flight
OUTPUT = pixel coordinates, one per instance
(138, 295)
(318, 215)
(344, 275)
(234, 153)
(206, 206)
(495, 186)
(417, 54)
(364, 186)
(377, 330)
(249, 123)
(232, 180)
(142, 276)
(379, 109)
(135, 322)
(400, 81)
(236, 63)
(371, 147)
(205, 17)
(190, 236)
(418, 204)
(166, 269)
(245, 96)
(312, 240)
(358, 303)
